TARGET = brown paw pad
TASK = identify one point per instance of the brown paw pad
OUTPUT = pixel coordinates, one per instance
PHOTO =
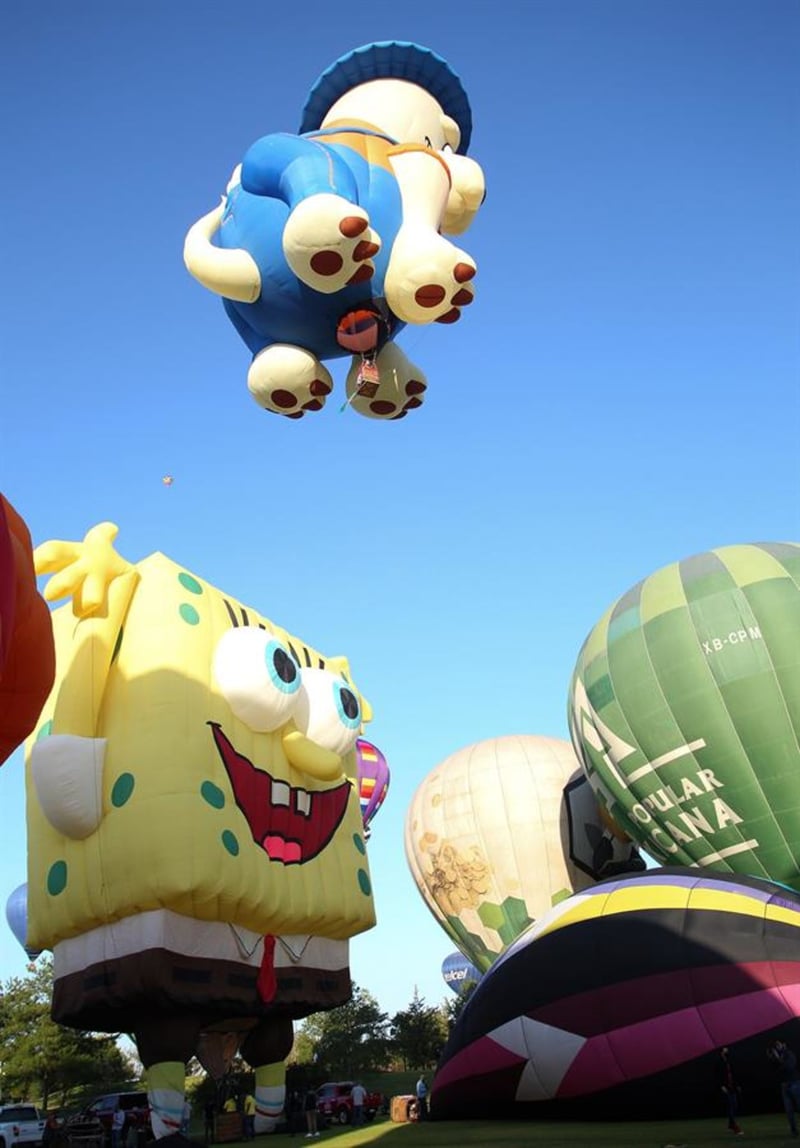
(353, 225)
(430, 295)
(364, 272)
(326, 262)
(283, 399)
(450, 317)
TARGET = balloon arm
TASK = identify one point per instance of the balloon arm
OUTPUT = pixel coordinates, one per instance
(101, 584)
(81, 691)
(230, 272)
(291, 168)
(82, 570)
(424, 181)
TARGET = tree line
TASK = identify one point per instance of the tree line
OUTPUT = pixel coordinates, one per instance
(48, 1063)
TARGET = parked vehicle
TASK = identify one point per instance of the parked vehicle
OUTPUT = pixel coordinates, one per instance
(20, 1124)
(135, 1105)
(335, 1104)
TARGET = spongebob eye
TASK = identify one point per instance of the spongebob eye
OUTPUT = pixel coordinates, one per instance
(258, 677)
(328, 711)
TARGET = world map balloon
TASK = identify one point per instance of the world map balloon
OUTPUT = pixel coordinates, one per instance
(684, 708)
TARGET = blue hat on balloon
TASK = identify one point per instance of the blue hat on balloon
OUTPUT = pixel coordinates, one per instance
(390, 60)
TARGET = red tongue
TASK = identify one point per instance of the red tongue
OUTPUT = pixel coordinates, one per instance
(278, 849)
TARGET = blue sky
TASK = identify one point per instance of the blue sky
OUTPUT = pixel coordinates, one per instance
(622, 394)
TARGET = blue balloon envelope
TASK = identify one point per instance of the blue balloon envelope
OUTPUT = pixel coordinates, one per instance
(458, 972)
(17, 917)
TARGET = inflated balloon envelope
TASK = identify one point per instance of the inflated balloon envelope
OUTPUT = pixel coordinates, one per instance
(685, 711)
(497, 833)
(328, 242)
(196, 849)
(614, 1005)
(27, 657)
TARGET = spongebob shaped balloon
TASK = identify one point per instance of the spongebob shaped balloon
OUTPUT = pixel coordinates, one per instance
(328, 242)
(196, 850)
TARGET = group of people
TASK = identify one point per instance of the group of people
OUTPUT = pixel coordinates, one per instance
(244, 1104)
(788, 1072)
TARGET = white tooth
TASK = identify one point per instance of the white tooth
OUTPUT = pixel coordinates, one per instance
(280, 793)
(303, 802)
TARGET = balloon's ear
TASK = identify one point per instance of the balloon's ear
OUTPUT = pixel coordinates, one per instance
(452, 132)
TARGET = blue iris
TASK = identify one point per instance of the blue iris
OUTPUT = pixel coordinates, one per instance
(282, 668)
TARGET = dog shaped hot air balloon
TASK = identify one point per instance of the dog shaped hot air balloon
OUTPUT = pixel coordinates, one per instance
(328, 242)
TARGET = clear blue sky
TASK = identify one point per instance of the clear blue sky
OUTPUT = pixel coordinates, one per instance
(623, 393)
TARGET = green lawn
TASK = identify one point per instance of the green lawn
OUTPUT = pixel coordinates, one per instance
(768, 1130)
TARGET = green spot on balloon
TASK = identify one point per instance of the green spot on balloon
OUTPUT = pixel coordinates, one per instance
(123, 788)
(358, 841)
(57, 878)
(230, 843)
(45, 731)
(364, 883)
(189, 614)
(189, 583)
(212, 794)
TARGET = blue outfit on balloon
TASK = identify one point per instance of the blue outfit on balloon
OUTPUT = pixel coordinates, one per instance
(278, 172)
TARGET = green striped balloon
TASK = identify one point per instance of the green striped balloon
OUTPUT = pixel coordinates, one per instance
(684, 709)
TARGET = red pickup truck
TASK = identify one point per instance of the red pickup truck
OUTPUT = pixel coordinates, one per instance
(335, 1102)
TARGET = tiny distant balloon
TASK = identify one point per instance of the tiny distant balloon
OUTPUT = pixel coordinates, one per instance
(459, 972)
(167, 480)
(373, 780)
(17, 917)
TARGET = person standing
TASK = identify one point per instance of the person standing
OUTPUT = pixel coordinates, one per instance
(310, 1105)
(249, 1117)
(209, 1112)
(731, 1088)
(358, 1096)
(51, 1131)
(422, 1099)
(294, 1107)
(117, 1126)
(785, 1062)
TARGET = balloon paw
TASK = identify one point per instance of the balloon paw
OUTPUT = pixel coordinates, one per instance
(401, 387)
(289, 381)
(428, 279)
(328, 243)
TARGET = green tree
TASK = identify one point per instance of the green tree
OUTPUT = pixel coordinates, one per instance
(454, 1006)
(419, 1034)
(347, 1041)
(41, 1058)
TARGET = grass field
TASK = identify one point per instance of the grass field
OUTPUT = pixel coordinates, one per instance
(771, 1131)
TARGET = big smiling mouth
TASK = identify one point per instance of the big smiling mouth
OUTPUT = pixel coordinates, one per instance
(292, 825)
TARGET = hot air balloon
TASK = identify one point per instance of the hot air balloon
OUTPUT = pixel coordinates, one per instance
(617, 1001)
(196, 854)
(17, 917)
(329, 242)
(27, 653)
(489, 840)
(458, 972)
(373, 780)
(684, 708)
